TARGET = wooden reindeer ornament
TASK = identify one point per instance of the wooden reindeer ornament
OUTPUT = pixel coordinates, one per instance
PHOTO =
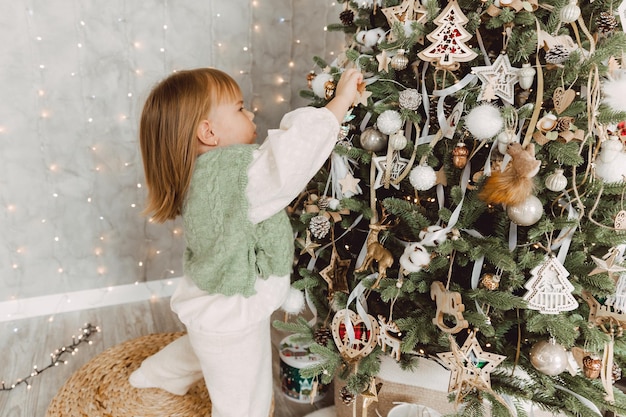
(386, 336)
(376, 251)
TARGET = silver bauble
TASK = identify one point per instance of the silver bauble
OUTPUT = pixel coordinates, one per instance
(548, 357)
(526, 76)
(389, 122)
(399, 61)
(570, 13)
(373, 140)
(398, 141)
(526, 213)
(410, 99)
(556, 181)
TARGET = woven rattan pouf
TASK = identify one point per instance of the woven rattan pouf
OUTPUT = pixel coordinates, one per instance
(100, 388)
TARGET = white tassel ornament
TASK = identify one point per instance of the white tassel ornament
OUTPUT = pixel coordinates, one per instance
(294, 303)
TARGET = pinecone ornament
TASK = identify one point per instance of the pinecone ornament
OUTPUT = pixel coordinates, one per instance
(319, 226)
(322, 335)
(323, 202)
(346, 396)
(563, 123)
(347, 17)
(606, 23)
(557, 55)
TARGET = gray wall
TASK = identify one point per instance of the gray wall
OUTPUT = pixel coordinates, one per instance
(73, 76)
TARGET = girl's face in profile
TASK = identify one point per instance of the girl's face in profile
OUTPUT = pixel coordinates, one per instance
(232, 123)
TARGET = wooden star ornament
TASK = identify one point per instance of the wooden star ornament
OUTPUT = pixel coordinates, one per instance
(349, 184)
(406, 12)
(498, 79)
(383, 61)
(470, 366)
(396, 167)
(308, 246)
(370, 395)
(607, 264)
(336, 273)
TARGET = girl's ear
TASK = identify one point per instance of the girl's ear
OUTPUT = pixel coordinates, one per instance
(205, 133)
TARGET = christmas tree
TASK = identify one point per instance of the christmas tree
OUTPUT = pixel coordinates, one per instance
(473, 210)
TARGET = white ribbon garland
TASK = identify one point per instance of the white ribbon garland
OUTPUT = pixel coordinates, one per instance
(361, 309)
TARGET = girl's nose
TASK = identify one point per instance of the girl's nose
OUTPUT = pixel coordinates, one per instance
(250, 115)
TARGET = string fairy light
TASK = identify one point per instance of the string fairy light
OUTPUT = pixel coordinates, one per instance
(56, 358)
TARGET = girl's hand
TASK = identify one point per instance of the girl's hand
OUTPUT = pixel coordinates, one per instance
(345, 93)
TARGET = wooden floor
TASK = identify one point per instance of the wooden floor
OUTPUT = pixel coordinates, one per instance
(26, 343)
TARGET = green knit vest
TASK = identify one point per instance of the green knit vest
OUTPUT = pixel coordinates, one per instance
(226, 252)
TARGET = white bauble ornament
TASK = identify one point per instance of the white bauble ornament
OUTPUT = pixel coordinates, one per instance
(613, 91)
(389, 122)
(484, 121)
(611, 161)
(410, 99)
(548, 357)
(556, 181)
(526, 76)
(398, 141)
(414, 258)
(526, 213)
(373, 140)
(318, 84)
(423, 177)
(570, 13)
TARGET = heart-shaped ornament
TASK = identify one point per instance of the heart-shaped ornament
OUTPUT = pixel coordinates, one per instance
(365, 340)
(620, 220)
(562, 98)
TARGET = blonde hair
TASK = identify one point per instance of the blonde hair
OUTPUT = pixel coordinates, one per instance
(167, 134)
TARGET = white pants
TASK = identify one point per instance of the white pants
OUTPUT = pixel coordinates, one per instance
(228, 342)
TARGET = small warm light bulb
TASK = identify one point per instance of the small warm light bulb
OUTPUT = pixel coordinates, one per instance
(60, 270)
(291, 64)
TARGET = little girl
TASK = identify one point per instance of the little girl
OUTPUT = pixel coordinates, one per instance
(200, 162)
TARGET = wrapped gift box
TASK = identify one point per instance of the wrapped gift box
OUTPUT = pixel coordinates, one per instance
(427, 386)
